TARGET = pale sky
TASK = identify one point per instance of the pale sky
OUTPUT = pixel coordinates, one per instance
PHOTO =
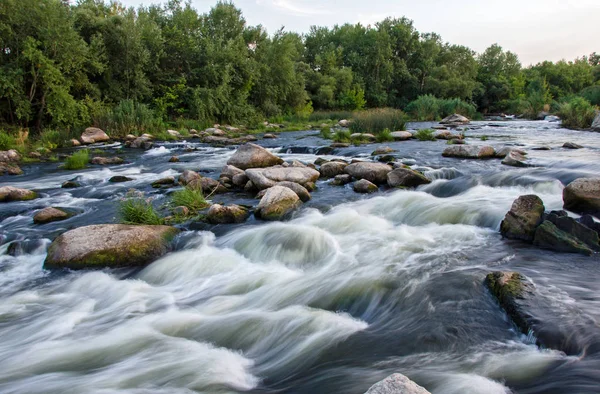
(534, 29)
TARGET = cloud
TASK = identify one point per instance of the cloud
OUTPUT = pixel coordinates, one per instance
(297, 7)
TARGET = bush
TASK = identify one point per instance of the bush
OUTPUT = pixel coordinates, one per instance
(134, 209)
(7, 141)
(128, 117)
(449, 107)
(341, 136)
(430, 108)
(319, 116)
(191, 198)
(377, 120)
(385, 136)
(425, 135)
(592, 94)
(77, 160)
(577, 113)
(326, 133)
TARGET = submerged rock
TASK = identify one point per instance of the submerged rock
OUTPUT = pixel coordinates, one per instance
(277, 203)
(51, 214)
(510, 288)
(583, 196)
(515, 159)
(168, 181)
(572, 145)
(548, 236)
(469, 152)
(373, 172)
(382, 151)
(525, 215)
(253, 156)
(455, 120)
(397, 384)
(219, 214)
(109, 246)
(341, 180)
(406, 177)
(365, 187)
(9, 193)
(332, 169)
(70, 184)
(92, 135)
(264, 178)
(119, 179)
(105, 161)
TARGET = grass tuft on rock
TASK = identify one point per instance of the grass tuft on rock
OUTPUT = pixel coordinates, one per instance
(385, 136)
(77, 160)
(425, 135)
(135, 209)
(191, 198)
(341, 136)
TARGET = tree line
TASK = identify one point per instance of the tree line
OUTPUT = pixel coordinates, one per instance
(71, 65)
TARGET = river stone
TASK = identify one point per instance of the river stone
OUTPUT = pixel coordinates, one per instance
(300, 190)
(583, 196)
(120, 178)
(383, 150)
(548, 236)
(181, 211)
(396, 384)
(264, 178)
(373, 172)
(332, 169)
(253, 156)
(364, 186)
(208, 186)
(105, 161)
(229, 171)
(572, 145)
(50, 214)
(70, 184)
(109, 246)
(469, 152)
(525, 215)
(269, 136)
(92, 135)
(142, 143)
(577, 229)
(188, 176)
(401, 135)
(9, 193)
(406, 177)
(174, 133)
(9, 156)
(511, 289)
(277, 202)
(340, 145)
(455, 120)
(515, 159)
(174, 159)
(341, 180)
(344, 123)
(10, 169)
(219, 214)
(596, 122)
(168, 181)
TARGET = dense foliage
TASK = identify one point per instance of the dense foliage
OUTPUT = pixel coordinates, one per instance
(128, 70)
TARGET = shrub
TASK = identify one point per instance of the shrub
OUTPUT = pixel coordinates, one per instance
(592, 94)
(385, 136)
(425, 135)
(326, 133)
(319, 116)
(377, 120)
(128, 117)
(577, 113)
(449, 107)
(77, 160)
(191, 198)
(7, 141)
(341, 136)
(134, 209)
(430, 108)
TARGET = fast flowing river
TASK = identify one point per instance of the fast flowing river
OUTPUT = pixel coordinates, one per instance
(352, 289)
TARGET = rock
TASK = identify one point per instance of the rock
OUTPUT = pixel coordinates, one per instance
(188, 177)
(340, 145)
(397, 384)
(74, 142)
(401, 135)
(174, 159)
(583, 196)
(277, 202)
(406, 178)
(300, 190)
(386, 159)
(232, 129)
(364, 186)
(253, 156)
(70, 184)
(363, 136)
(109, 245)
(105, 161)
(332, 169)
(589, 222)
(373, 172)
(208, 186)
(541, 148)
(469, 152)
(455, 120)
(504, 151)
(596, 123)
(230, 171)
(382, 151)
(35, 155)
(515, 159)
(130, 137)
(91, 135)
(341, 180)
(50, 214)
(548, 236)
(9, 193)
(320, 161)
(219, 214)
(296, 163)
(168, 181)
(577, 229)
(240, 180)
(9, 156)
(525, 215)
(10, 169)
(268, 177)
(219, 133)
(174, 133)
(120, 178)
(181, 211)
(344, 123)
(269, 136)
(572, 145)
(552, 118)
(141, 143)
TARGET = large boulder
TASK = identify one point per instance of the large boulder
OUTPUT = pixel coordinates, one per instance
(92, 135)
(455, 120)
(220, 214)
(396, 384)
(50, 214)
(9, 193)
(585, 230)
(596, 122)
(9, 156)
(525, 215)
(373, 172)
(405, 177)
(583, 196)
(277, 202)
(264, 178)
(548, 236)
(332, 168)
(364, 186)
(189, 176)
(253, 156)
(469, 152)
(109, 245)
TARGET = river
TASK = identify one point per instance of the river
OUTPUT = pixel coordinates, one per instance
(352, 289)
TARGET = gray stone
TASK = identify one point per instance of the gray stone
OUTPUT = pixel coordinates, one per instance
(277, 203)
(253, 156)
(364, 186)
(92, 135)
(9, 193)
(397, 384)
(525, 215)
(267, 177)
(469, 152)
(373, 172)
(219, 214)
(50, 214)
(405, 177)
(583, 196)
(332, 168)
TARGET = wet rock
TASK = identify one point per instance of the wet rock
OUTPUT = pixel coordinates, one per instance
(142, 143)
(240, 180)
(589, 222)
(219, 214)
(109, 245)
(404, 177)
(277, 203)
(397, 384)
(372, 172)
(515, 159)
(525, 215)
(505, 151)
(105, 161)
(572, 145)
(300, 190)
(310, 186)
(341, 180)
(174, 159)
(332, 169)
(455, 120)
(386, 159)
(168, 181)
(174, 133)
(229, 171)
(9, 193)
(469, 152)
(511, 289)
(27, 246)
(120, 178)
(181, 211)
(74, 142)
(249, 187)
(541, 148)
(363, 136)
(51, 214)
(269, 136)
(188, 177)
(208, 186)
(264, 178)
(296, 163)
(364, 186)
(583, 196)
(91, 135)
(340, 145)
(382, 151)
(253, 156)
(70, 185)
(10, 169)
(401, 135)
(9, 156)
(344, 123)
(596, 123)
(320, 161)
(548, 236)
(577, 229)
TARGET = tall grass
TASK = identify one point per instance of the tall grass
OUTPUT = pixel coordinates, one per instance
(326, 133)
(77, 160)
(192, 198)
(134, 209)
(577, 113)
(319, 116)
(128, 117)
(425, 135)
(377, 120)
(341, 136)
(430, 108)
(385, 136)
(7, 141)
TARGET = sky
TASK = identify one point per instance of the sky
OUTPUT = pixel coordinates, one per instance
(536, 30)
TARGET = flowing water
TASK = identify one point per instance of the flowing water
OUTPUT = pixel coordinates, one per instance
(349, 291)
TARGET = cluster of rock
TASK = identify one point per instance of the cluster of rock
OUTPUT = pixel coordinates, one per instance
(8, 162)
(527, 220)
(511, 156)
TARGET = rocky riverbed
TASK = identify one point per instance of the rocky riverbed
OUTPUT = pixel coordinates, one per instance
(354, 263)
